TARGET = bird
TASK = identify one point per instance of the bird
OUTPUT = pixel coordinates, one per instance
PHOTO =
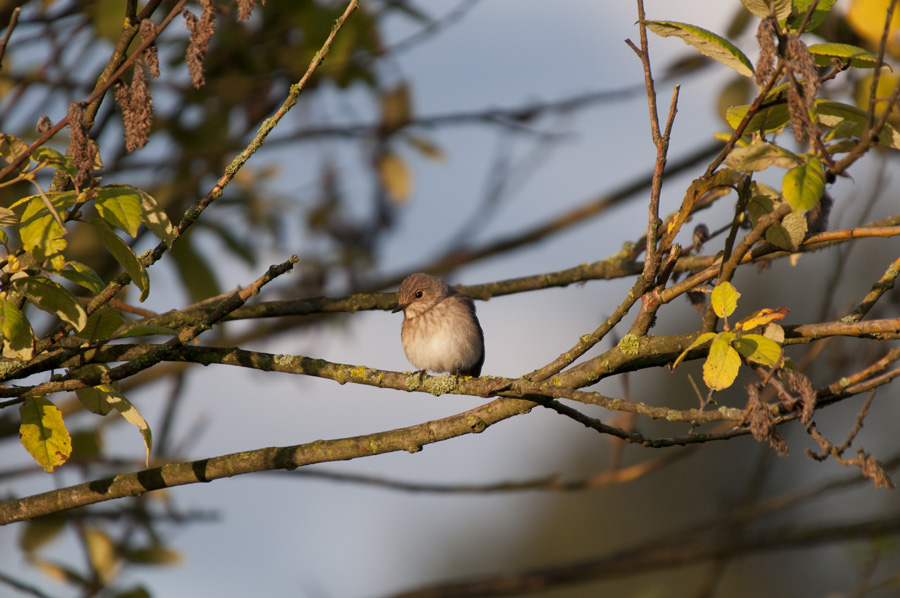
(440, 330)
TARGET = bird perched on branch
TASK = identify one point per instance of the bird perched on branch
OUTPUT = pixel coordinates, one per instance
(440, 330)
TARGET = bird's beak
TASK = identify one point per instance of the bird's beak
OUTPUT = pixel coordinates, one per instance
(400, 307)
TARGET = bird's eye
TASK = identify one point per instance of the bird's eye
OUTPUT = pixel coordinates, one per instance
(418, 294)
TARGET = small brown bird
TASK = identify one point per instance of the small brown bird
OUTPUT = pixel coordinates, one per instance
(440, 330)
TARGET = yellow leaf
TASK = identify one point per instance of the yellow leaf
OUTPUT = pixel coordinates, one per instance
(867, 17)
(395, 176)
(43, 433)
(724, 299)
(700, 340)
(774, 332)
(102, 553)
(722, 364)
(762, 317)
(759, 349)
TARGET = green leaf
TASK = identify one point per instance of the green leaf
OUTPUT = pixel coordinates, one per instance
(705, 42)
(759, 206)
(54, 158)
(804, 185)
(53, 298)
(120, 205)
(763, 8)
(151, 213)
(832, 114)
(11, 147)
(770, 117)
(93, 399)
(102, 324)
(83, 276)
(703, 338)
(18, 337)
(124, 255)
(759, 349)
(156, 219)
(8, 217)
(724, 299)
(43, 433)
(789, 234)
(131, 415)
(39, 229)
(852, 56)
(818, 16)
(103, 398)
(759, 155)
(721, 366)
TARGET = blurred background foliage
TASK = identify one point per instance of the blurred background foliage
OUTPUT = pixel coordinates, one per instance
(359, 97)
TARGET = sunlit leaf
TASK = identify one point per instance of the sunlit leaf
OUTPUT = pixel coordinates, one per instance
(852, 56)
(11, 147)
(39, 229)
(763, 317)
(124, 255)
(150, 212)
(820, 13)
(724, 299)
(804, 185)
(759, 349)
(53, 298)
(18, 337)
(43, 433)
(102, 324)
(770, 117)
(705, 42)
(763, 8)
(120, 206)
(131, 415)
(700, 340)
(83, 276)
(8, 217)
(722, 364)
(832, 114)
(101, 399)
(759, 155)
(774, 332)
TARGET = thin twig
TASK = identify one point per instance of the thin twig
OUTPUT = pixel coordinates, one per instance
(13, 21)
